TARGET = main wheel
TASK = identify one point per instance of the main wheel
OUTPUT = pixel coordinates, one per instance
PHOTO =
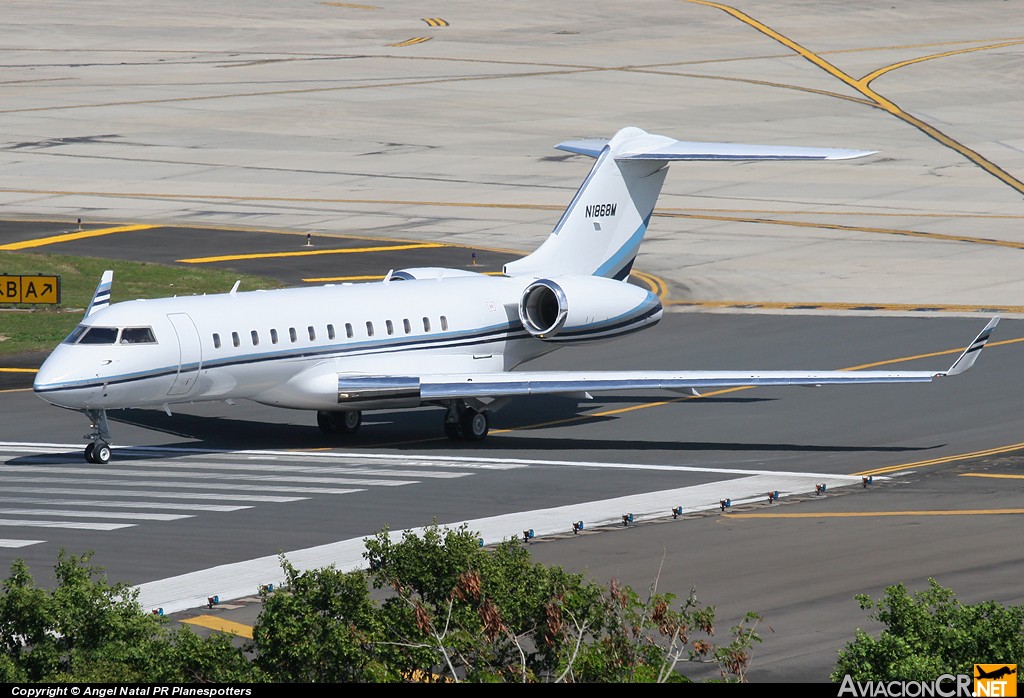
(452, 430)
(89, 453)
(474, 425)
(350, 421)
(347, 422)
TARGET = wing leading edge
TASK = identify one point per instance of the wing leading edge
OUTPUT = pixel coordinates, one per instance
(476, 385)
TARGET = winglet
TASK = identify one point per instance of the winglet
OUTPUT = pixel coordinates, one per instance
(971, 353)
(101, 298)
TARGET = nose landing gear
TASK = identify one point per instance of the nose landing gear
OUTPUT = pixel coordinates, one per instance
(98, 449)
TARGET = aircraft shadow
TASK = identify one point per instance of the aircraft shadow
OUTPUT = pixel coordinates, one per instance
(419, 431)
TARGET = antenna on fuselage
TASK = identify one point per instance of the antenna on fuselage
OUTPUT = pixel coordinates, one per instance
(235, 287)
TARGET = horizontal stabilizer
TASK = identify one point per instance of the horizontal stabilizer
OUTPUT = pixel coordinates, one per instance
(646, 146)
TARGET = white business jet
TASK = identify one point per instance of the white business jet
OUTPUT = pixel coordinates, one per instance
(424, 336)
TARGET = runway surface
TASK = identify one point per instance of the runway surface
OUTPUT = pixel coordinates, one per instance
(338, 141)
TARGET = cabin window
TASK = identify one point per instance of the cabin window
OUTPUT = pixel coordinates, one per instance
(99, 335)
(312, 333)
(273, 336)
(137, 335)
(234, 339)
(406, 324)
(330, 332)
(369, 328)
(255, 337)
(444, 323)
(390, 326)
(348, 330)
(291, 334)
(216, 341)
(426, 324)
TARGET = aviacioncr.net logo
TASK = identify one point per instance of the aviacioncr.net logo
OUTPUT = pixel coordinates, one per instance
(995, 680)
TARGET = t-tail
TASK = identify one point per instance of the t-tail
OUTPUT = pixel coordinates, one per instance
(601, 230)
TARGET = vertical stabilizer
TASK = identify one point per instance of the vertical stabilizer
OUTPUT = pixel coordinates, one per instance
(601, 230)
(101, 298)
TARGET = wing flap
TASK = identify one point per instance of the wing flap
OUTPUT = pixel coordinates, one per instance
(562, 382)
(470, 385)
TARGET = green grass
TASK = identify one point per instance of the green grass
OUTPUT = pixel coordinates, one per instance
(27, 328)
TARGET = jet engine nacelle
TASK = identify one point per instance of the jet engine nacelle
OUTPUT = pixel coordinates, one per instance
(586, 308)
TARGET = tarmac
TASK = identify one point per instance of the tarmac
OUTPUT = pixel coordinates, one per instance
(403, 122)
(378, 121)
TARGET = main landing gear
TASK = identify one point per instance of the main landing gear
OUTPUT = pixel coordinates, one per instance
(346, 422)
(98, 449)
(465, 423)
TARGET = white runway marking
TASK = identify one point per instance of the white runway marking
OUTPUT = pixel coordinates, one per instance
(9, 543)
(241, 579)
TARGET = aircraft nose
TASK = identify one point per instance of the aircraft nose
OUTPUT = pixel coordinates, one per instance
(55, 380)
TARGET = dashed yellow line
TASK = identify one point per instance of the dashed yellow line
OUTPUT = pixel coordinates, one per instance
(863, 514)
(226, 626)
(853, 228)
(998, 477)
(818, 305)
(413, 41)
(77, 235)
(350, 5)
(311, 253)
(18, 370)
(370, 277)
(435, 22)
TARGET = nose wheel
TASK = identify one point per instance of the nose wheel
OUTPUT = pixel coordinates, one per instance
(98, 453)
(98, 449)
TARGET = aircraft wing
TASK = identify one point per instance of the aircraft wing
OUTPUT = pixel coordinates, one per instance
(450, 386)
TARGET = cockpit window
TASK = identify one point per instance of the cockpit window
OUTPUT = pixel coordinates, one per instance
(137, 335)
(99, 335)
(75, 334)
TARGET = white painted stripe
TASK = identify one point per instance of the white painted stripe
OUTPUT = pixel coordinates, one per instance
(237, 580)
(453, 460)
(316, 468)
(12, 543)
(7, 474)
(182, 485)
(95, 514)
(126, 505)
(164, 495)
(64, 524)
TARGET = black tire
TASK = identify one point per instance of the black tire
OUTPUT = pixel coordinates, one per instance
(101, 454)
(89, 453)
(474, 425)
(452, 430)
(326, 422)
(349, 421)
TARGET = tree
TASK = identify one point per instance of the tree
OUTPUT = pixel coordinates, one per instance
(930, 633)
(88, 630)
(435, 607)
(450, 610)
